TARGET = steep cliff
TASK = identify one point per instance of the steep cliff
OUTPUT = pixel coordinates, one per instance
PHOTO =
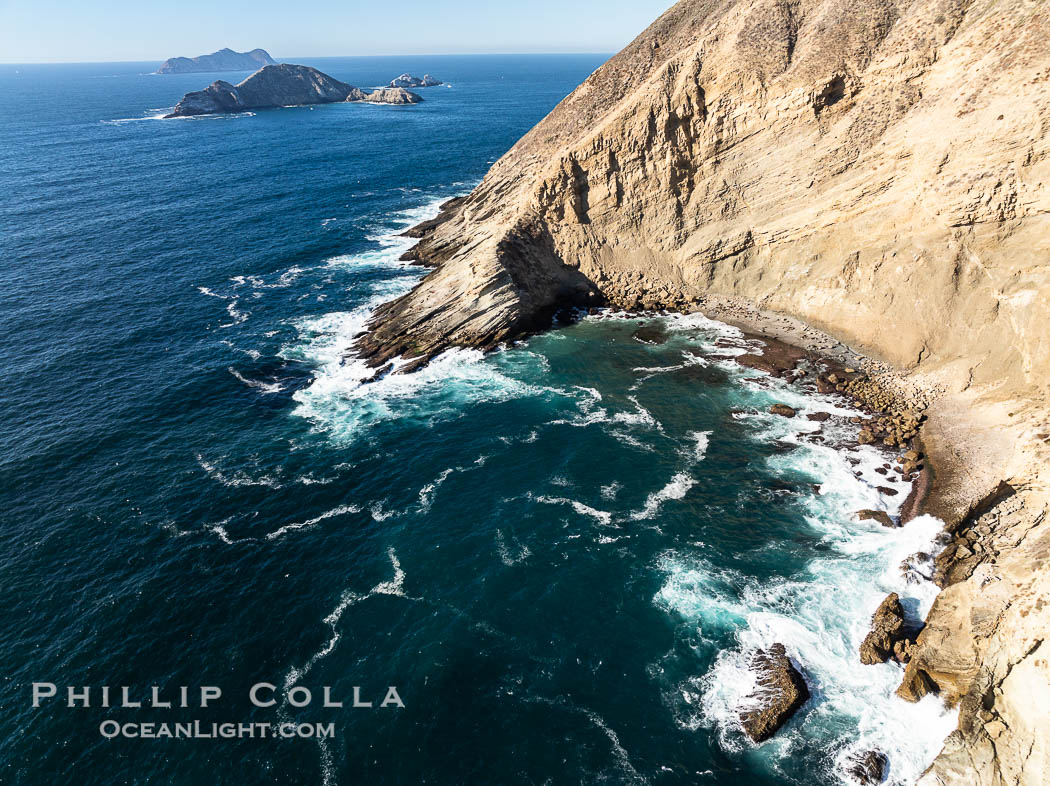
(877, 168)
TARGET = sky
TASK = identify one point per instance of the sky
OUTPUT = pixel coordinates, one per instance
(49, 31)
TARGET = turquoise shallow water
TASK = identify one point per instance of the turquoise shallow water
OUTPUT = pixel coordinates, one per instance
(559, 553)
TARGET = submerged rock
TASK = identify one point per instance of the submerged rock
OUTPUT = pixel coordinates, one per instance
(777, 358)
(868, 768)
(880, 516)
(652, 333)
(779, 692)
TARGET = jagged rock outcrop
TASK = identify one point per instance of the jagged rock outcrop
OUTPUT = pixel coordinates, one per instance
(281, 85)
(407, 80)
(868, 768)
(223, 60)
(392, 95)
(779, 691)
(888, 635)
(879, 169)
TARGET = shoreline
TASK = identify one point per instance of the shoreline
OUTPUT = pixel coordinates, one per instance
(966, 449)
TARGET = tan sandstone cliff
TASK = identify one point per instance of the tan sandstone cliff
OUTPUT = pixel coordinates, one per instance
(877, 168)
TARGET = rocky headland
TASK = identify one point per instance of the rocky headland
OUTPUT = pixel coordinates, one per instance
(223, 60)
(867, 181)
(282, 85)
(407, 80)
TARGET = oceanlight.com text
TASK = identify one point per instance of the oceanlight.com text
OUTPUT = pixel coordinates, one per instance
(196, 730)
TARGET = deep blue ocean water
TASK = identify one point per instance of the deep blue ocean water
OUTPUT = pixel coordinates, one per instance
(559, 554)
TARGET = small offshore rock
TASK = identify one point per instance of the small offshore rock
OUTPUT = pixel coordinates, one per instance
(779, 692)
(652, 333)
(818, 417)
(887, 626)
(880, 516)
(783, 410)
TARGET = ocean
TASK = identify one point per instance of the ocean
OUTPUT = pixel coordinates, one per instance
(559, 554)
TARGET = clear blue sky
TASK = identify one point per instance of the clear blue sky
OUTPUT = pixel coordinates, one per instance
(36, 31)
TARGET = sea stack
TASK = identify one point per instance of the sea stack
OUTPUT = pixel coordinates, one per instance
(223, 60)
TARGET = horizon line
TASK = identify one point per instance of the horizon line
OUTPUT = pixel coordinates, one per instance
(395, 54)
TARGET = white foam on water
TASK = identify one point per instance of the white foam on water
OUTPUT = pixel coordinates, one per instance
(625, 438)
(676, 488)
(254, 354)
(508, 559)
(236, 315)
(236, 478)
(426, 494)
(640, 417)
(265, 387)
(345, 400)
(622, 758)
(341, 510)
(701, 439)
(220, 530)
(283, 280)
(821, 615)
(379, 514)
(697, 321)
(310, 480)
(610, 491)
(342, 402)
(395, 586)
(157, 114)
(601, 516)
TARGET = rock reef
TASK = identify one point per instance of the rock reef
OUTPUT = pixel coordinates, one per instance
(281, 85)
(223, 60)
(879, 170)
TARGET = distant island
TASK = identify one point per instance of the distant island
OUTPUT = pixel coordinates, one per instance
(282, 85)
(223, 60)
(407, 80)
